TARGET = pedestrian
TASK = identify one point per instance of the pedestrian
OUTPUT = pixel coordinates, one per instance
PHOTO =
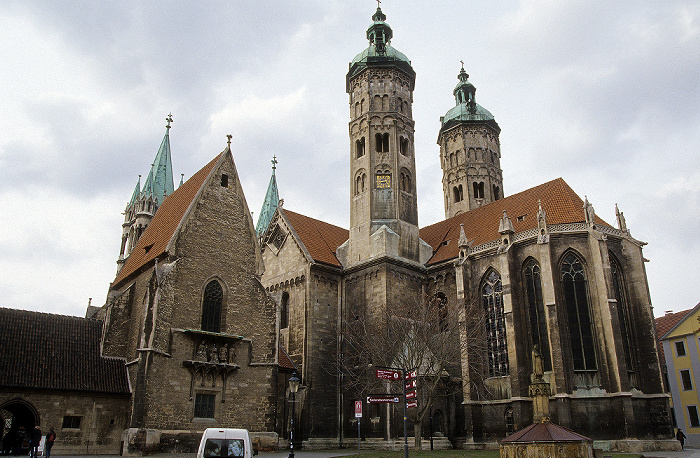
(50, 437)
(34, 441)
(20, 437)
(681, 438)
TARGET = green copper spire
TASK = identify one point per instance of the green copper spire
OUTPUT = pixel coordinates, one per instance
(466, 110)
(380, 53)
(272, 199)
(159, 183)
(136, 194)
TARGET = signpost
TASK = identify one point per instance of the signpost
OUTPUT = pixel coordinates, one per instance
(409, 379)
(358, 415)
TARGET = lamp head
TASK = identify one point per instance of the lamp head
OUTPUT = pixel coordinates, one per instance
(294, 383)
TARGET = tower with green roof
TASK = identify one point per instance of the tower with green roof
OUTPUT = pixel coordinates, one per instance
(383, 207)
(146, 200)
(470, 152)
(270, 204)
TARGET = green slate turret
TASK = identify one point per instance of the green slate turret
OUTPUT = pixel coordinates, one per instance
(270, 204)
(380, 53)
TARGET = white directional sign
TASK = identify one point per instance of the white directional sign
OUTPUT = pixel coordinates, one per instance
(388, 374)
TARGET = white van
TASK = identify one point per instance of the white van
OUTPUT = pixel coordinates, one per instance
(226, 443)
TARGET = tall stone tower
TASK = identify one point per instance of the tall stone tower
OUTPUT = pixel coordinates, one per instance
(470, 153)
(383, 208)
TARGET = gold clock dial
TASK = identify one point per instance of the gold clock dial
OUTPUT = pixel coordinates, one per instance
(383, 181)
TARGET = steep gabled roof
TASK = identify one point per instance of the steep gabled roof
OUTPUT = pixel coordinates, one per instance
(559, 201)
(56, 352)
(320, 239)
(664, 324)
(154, 240)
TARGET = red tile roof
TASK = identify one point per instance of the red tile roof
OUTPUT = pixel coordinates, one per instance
(545, 432)
(154, 240)
(559, 201)
(285, 362)
(321, 239)
(664, 324)
(56, 352)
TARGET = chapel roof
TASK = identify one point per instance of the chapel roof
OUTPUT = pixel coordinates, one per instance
(320, 239)
(545, 432)
(56, 352)
(561, 204)
(154, 240)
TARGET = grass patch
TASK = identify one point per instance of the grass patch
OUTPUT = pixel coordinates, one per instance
(430, 454)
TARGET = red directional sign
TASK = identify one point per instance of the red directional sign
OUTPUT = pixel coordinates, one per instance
(410, 385)
(410, 394)
(388, 374)
(410, 404)
(358, 409)
(412, 374)
(383, 398)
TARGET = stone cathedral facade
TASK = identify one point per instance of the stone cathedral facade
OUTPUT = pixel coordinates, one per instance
(544, 271)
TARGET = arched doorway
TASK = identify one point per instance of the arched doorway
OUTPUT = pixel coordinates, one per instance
(19, 417)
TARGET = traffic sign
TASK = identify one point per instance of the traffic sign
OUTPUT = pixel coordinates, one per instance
(388, 374)
(412, 374)
(413, 403)
(411, 384)
(358, 409)
(383, 398)
(410, 394)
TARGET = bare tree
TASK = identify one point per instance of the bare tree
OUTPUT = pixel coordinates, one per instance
(427, 335)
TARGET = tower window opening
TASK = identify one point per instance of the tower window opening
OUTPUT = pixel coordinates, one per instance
(458, 193)
(400, 104)
(224, 180)
(478, 189)
(405, 182)
(357, 109)
(360, 147)
(404, 146)
(452, 160)
(496, 192)
(382, 143)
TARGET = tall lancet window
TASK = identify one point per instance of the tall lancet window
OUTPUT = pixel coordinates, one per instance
(573, 278)
(535, 307)
(211, 307)
(623, 312)
(496, 342)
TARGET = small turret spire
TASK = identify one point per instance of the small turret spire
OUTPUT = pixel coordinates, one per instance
(228, 142)
(169, 119)
(271, 202)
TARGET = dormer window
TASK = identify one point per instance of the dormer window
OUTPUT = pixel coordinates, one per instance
(224, 180)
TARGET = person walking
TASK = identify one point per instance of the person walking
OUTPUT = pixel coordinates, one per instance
(34, 441)
(680, 436)
(50, 437)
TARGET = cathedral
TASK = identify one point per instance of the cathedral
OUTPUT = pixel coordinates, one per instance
(210, 314)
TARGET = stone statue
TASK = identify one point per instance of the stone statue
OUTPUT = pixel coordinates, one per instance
(537, 365)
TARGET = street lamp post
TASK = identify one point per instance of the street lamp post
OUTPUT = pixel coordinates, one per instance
(293, 388)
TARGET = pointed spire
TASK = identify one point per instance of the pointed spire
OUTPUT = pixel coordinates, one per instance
(136, 194)
(588, 211)
(272, 200)
(506, 225)
(543, 236)
(159, 182)
(182, 179)
(621, 223)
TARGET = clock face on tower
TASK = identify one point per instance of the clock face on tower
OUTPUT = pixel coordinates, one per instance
(383, 181)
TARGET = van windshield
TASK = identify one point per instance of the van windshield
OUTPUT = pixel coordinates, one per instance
(225, 448)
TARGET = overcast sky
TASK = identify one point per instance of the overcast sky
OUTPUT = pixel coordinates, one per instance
(604, 94)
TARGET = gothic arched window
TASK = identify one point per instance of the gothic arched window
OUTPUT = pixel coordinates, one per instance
(535, 306)
(623, 312)
(573, 278)
(496, 341)
(211, 307)
(284, 312)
